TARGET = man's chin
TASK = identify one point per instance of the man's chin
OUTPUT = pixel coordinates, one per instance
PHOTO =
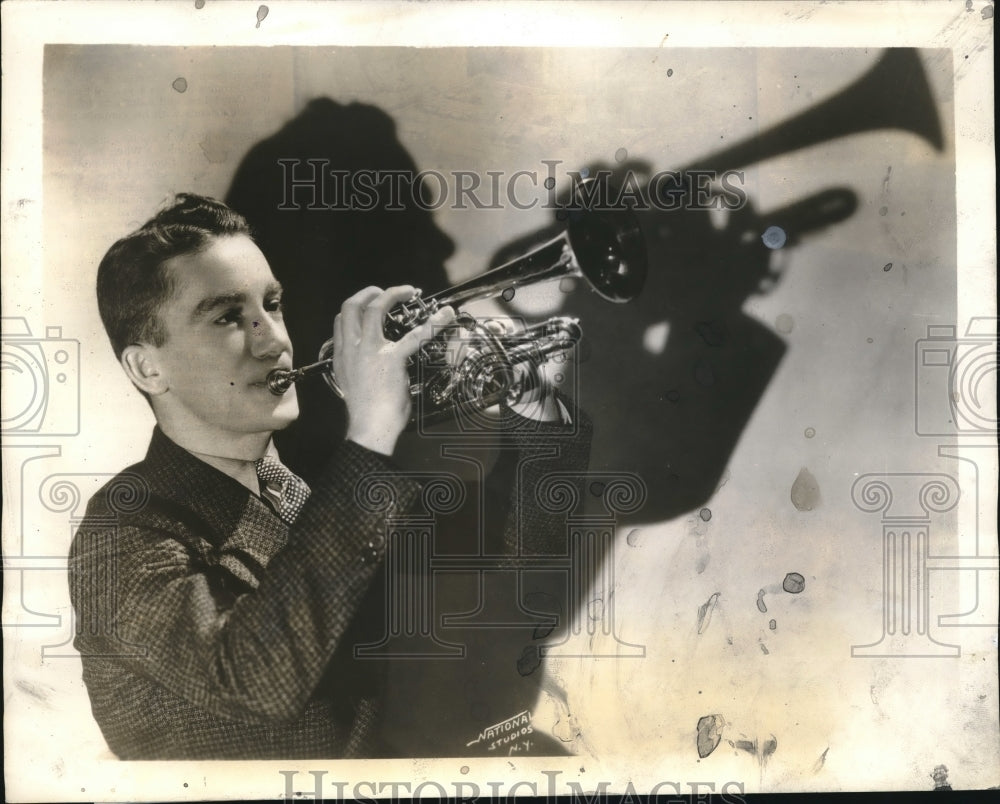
(286, 412)
(284, 423)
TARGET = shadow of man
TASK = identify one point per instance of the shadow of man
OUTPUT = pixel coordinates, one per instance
(670, 379)
(334, 203)
(328, 234)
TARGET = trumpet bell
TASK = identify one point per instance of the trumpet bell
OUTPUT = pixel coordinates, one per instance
(610, 252)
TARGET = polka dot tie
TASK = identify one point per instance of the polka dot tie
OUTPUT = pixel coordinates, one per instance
(290, 490)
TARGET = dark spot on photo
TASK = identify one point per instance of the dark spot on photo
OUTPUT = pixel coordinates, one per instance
(805, 491)
(529, 662)
(709, 734)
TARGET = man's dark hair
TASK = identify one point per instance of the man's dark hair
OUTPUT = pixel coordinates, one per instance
(132, 282)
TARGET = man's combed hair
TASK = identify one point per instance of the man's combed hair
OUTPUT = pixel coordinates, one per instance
(132, 281)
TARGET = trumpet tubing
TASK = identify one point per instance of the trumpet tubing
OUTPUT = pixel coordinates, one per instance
(486, 374)
(606, 248)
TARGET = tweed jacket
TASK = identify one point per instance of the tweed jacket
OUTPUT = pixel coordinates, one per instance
(209, 629)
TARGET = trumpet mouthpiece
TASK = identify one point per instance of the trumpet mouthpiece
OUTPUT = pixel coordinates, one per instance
(280, 380)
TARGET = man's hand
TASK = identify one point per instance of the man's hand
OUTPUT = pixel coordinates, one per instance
(371, 370)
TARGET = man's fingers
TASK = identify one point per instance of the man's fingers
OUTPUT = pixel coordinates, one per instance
(443, 317)
(410, 342)
(339, 348)
(353, 309)
(338, 332)
(378, 308)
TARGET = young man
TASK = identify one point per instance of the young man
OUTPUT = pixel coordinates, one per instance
(218, 598)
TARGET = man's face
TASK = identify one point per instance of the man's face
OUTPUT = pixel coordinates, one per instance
(225, 332)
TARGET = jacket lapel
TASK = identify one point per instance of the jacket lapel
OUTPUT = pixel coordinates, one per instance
(243, 531)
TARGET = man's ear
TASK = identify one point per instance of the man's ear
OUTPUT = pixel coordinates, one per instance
(143, 368)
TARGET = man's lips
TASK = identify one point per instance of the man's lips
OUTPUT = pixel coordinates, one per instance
(262, 382)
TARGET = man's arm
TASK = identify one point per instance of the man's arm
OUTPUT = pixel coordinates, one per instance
(258, 655)
(250, 655)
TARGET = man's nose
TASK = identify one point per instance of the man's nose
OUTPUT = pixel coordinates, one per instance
(268, 337)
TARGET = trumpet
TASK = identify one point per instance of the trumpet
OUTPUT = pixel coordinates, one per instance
(605, 248)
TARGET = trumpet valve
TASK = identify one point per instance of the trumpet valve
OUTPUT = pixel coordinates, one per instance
(496, 327)
(569, 328)
(409, 315)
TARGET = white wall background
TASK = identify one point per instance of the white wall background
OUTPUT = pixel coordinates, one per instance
(119, 139)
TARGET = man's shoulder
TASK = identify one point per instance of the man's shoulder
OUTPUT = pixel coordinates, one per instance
(128, 492)
(124, 501)
(133, 508)
(149, 487)
(144, 493)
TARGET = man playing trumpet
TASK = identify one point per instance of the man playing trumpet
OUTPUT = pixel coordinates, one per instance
(217, 621)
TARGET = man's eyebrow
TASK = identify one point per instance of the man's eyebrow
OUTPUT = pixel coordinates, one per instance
(231, 299)
(210, 303)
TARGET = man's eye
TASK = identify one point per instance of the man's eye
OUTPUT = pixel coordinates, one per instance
(229, 317)
(274, 306)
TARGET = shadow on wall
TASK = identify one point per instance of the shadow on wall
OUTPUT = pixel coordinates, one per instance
(670, 379)
(322, 255)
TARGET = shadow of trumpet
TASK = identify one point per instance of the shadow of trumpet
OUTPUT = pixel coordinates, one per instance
(672, 377)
